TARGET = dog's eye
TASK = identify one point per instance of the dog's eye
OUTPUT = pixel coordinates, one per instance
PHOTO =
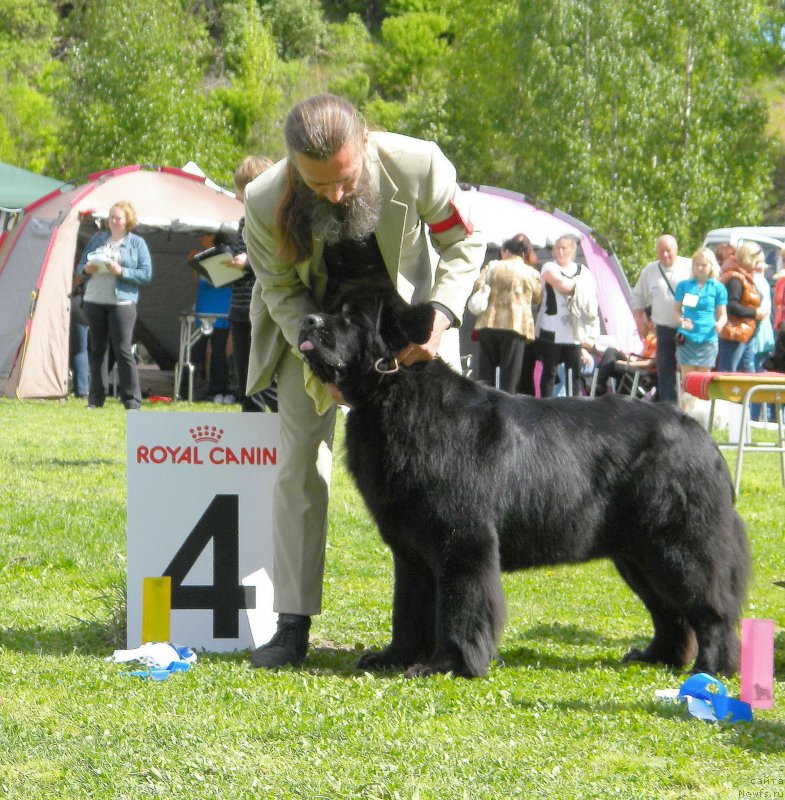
(354, 316)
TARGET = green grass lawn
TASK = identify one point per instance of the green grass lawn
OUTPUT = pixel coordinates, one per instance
(562, 719)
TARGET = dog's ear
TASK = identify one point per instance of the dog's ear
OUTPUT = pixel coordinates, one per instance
(401, 323)
(417, 322)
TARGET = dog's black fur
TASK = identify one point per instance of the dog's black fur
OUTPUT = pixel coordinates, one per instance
(464, 481)
(776, 361)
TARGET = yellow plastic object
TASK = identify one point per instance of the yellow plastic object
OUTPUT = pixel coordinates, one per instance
(156, 609)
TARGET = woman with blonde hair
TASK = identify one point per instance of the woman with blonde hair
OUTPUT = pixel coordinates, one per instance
(701, 302)
(737, 349)
(116, 263)
(568, 318)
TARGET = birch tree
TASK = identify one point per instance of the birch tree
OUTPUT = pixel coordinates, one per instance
(634, 116)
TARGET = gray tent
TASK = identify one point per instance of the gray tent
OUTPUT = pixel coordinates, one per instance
(37, 258)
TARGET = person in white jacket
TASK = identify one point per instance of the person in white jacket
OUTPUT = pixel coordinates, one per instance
(568, 316)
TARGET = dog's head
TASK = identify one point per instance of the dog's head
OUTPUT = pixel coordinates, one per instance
(358, 337)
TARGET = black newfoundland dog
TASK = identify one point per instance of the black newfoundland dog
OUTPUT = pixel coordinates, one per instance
(464, 481)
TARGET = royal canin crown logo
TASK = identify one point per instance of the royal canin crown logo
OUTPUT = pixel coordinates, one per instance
(206, 433)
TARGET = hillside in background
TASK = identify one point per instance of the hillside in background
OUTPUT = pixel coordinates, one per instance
(636, 117)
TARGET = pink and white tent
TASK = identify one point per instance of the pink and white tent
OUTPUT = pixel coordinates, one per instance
(500, 214)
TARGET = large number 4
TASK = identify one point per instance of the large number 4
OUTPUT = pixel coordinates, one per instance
(220, 524)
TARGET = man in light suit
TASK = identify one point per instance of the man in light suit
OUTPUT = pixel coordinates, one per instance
(347, 206)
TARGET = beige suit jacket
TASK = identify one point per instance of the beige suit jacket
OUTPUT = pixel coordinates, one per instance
(418, 188)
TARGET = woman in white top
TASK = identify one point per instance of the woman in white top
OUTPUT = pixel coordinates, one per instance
(568, 315)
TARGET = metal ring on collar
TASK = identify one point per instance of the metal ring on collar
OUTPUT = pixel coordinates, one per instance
(393, 366)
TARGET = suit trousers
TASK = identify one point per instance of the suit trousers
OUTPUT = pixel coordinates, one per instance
(301, 494)
(302, 489)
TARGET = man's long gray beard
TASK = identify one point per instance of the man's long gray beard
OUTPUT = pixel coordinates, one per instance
(355, 217)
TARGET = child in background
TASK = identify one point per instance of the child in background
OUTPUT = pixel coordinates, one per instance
(239, 309)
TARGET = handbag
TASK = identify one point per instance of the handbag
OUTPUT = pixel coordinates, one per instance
(738, 329)
(478, 302)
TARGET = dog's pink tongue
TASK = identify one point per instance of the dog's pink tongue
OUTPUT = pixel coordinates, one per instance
(306, 345)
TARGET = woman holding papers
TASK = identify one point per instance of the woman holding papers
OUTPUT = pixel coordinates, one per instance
(115, 263)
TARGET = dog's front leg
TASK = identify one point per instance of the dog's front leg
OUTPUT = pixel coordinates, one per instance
(470, 614)
(412, 619)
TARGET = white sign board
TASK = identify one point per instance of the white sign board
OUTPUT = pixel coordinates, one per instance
(200, 510)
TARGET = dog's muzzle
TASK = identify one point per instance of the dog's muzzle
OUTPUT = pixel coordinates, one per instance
(311, 324)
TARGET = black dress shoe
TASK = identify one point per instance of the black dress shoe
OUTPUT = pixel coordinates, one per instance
(287, 647)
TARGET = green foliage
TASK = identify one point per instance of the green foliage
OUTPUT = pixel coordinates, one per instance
(395, 8)
(637, 117)
(771, 24)
(32, 126)
(412, 49)
(409, 71)
(347, 49)
(29, 126)
(634, 116)
(372, 12)
(252, 97)
(420, 114)
(383, 115)
(136, 91)
(298, 26)
(27, 29)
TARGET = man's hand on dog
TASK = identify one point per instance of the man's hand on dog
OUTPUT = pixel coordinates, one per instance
(413, 353)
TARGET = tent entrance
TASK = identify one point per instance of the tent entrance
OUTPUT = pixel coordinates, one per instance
(172, 290)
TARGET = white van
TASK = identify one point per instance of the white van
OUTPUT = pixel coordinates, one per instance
(770, 238)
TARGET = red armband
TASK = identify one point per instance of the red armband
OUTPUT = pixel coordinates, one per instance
(455, 219)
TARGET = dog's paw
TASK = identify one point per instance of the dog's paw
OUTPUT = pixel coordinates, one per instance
(383, 659)
(423, 671)
(634, 654)
(443, 667)
(655, 655)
